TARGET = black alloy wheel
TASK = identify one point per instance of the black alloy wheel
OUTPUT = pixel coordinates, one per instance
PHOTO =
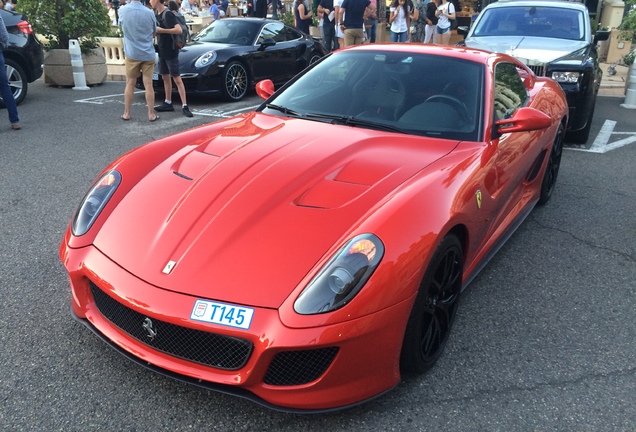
(18, 82)
(314, 58)
(235, 81)
(552, 168)
(434, 309)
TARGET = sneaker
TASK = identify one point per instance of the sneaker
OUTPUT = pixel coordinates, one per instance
(164, 107)
(186, 111)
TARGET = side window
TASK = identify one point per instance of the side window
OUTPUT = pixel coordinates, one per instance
(293, 34)
(510, 92)
(274, 31)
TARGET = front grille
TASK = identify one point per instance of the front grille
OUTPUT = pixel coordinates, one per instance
(210, 349)
(299, 367)
(539, 70)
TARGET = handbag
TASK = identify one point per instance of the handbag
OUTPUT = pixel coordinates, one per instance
(453, 22)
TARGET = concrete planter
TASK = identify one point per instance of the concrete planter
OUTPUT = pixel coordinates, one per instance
(58, 70)
(314, 31)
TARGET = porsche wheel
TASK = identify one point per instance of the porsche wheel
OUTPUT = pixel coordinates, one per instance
(552, 169)
(18, 82)
(314, 58)
(235, 82)
(434, 310)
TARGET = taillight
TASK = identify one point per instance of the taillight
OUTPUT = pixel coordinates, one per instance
(25, 27)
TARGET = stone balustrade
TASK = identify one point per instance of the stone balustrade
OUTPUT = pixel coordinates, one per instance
(114, 53)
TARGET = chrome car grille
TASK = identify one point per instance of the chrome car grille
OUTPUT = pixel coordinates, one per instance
(218, 351)
(539, 70)
(299, 367)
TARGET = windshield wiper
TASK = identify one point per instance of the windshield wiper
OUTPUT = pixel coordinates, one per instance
(353, 121)
(283, 110)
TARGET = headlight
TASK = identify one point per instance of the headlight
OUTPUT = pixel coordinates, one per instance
(343, 277)
(94, 202)
(566, 77)
(206, 59)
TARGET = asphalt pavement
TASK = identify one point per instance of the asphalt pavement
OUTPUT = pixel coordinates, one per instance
(544, 338)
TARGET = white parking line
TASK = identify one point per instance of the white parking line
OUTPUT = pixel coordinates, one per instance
(101, 100)
(602, 145)
(209, 112)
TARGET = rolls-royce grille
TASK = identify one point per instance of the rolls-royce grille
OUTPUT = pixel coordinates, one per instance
(210, 349)
(539, 70)
(299, 367)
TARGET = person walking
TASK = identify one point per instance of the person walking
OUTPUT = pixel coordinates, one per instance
(303, 16)
(431, 21)
(420, 22)
(445, 13)
(138, 24)
(399, 19)
(5, 90)
(326, 7)
(169, 55)
(351, 16)
(371, 23)
(214, 10)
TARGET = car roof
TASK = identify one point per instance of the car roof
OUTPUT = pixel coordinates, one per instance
(546, 3)
(472, 54)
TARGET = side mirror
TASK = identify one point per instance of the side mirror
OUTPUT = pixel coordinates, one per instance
(265, 89)
(523, 120)
(463, 30)
(601, 35)
(267, 43)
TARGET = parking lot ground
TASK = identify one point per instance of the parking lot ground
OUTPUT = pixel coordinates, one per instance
(543, 341)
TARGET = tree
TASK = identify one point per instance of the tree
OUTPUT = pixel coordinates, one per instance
(62, 20)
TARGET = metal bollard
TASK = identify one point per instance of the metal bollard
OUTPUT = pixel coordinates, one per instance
(79, 78)
(630, 95)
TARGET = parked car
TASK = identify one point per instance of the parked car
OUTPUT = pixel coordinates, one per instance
(554, 38)
(23, 56)
(231, 55)
(305, 254)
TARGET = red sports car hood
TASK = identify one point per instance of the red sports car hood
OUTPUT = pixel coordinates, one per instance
(247, 211)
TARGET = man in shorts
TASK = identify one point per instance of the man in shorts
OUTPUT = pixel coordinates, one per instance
(169, 57)
(351, 16)
(139, 26)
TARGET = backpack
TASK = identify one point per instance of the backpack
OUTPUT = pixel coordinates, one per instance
(181, 39)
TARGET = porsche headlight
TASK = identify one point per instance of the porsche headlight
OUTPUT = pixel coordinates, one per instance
(206, 59)
(343, 277)
(566, 77)
(94, 202)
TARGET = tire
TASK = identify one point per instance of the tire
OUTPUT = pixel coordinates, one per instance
(552, 168)
(434, 309)
(235, 82)
(314, 58)
(581, 136)
(18, 81)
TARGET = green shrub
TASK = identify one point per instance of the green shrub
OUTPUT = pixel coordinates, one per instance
(59, 21)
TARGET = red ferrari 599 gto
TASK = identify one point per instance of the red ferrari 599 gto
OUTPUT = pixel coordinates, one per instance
(307, 254)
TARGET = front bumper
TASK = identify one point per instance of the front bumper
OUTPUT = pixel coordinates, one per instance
(364, 360)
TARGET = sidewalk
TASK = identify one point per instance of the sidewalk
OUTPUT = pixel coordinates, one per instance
(613, 85)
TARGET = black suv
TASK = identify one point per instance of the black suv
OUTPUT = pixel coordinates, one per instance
(555, 39)
(23, 56)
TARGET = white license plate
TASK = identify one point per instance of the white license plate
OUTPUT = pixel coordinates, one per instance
(223, 314)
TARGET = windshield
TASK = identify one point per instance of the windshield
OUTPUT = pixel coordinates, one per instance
(550, 22)
(229, 31)
(395, 91)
